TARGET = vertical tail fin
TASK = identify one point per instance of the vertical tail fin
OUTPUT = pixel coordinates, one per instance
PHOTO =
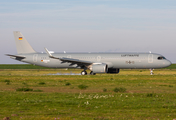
(22, 44)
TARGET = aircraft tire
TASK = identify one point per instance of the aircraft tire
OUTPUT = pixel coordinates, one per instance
(91, 73)
(83, 73)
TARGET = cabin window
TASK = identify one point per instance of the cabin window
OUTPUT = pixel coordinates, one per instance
(161, 58)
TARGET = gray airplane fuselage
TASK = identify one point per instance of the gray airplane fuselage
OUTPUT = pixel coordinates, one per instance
(113, 60)
(95, 62)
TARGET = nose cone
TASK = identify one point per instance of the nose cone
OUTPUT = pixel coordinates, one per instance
(168, 63)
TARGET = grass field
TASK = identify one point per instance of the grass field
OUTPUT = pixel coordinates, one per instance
(35, 94)
(21, 66)
(29, 66)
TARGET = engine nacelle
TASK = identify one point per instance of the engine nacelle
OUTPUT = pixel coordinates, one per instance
(113, 70)
(99, 68)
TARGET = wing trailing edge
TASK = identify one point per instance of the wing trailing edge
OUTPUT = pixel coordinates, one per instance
(70, 60)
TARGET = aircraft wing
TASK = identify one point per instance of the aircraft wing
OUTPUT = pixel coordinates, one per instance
(80, 63)
(17, 56)
(74, 60)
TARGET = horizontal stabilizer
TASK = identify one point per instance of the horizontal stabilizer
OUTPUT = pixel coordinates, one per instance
(17, 56)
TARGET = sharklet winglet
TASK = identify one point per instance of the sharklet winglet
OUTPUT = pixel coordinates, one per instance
(49, 54)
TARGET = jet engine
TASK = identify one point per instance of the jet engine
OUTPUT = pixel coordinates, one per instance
(99, 68)
(113, 70)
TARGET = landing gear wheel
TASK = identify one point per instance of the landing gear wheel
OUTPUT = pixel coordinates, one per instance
(91, 73)
(83, 73)
(151, 72)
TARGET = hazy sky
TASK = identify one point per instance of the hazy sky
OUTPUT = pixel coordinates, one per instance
(89, 26)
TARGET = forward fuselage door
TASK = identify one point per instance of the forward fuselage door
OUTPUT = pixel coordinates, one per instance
(150, 58)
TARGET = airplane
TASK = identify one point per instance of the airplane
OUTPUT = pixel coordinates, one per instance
(95, 62)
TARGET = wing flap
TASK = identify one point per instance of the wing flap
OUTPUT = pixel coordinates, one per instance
(75, 61)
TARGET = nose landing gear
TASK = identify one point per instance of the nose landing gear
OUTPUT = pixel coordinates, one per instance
(151, 71)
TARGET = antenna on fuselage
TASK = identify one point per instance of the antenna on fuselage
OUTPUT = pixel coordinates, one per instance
(64, 52)
(150, 52)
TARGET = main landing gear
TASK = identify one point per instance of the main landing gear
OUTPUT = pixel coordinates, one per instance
(85, 73)
(91, 73)
(151, 71)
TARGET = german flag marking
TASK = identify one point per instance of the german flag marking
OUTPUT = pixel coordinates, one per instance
(20, 38)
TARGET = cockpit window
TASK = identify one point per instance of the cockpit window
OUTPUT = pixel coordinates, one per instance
(161, 58)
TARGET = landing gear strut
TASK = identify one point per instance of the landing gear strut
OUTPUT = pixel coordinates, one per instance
(151, 72)
(83, 72)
